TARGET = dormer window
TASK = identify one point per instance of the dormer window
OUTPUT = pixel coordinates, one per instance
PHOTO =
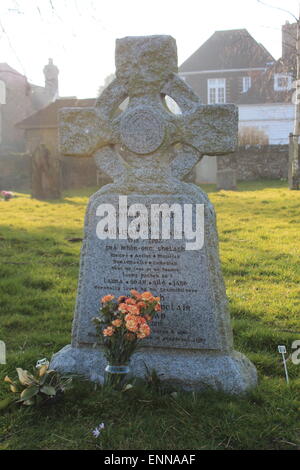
(246, 84)
(282, 82)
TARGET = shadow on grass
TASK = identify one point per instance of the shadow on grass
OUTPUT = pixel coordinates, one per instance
(67, 196)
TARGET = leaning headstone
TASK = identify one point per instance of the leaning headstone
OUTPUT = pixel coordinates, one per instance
(45, 174)
(148, 150)
(226, 179)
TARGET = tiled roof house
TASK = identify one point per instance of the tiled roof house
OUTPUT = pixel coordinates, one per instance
(42, 128)
(18, 99)
(232, 67)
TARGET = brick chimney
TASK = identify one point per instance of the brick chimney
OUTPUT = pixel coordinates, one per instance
(51, 81)
(289, 37)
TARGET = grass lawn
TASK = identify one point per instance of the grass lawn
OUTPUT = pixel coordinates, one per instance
(259, 230)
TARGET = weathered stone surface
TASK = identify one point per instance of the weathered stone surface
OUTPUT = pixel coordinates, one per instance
(45, 174)
(148, 150)
(257, 162)
(226, 179)
(194, 312)
(142, 131)
(231, 372)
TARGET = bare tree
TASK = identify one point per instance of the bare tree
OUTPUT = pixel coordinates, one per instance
(294, 164)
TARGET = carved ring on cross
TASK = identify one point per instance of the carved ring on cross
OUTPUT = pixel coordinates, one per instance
(170, 145)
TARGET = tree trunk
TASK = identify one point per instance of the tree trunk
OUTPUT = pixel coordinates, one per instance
(294, 173)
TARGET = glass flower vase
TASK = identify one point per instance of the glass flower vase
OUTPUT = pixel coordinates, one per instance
(116, 376)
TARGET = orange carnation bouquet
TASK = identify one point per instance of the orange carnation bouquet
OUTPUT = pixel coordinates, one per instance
(122, 324)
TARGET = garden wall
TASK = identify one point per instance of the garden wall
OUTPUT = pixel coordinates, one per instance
(257, 162)
(250, 163)
(15, 173)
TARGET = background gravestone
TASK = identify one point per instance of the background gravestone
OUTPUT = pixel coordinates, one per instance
(147, 151)
(226, 179)
(45, 174)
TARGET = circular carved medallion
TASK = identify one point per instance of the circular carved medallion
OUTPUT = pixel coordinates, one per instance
(142, 131)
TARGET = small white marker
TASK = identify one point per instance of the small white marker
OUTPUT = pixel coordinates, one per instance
(282, 351)
(42, 362)
(2, 352)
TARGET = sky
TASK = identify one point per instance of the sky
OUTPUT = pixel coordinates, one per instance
(80, 34)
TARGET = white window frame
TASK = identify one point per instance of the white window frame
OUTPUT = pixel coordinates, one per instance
(216, 84)
(277, 77)
(246, 83)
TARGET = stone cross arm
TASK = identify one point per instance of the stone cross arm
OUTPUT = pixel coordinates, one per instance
(210, 130)
(82, 131)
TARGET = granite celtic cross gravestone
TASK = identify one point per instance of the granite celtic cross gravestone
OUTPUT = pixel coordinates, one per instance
(147, 150)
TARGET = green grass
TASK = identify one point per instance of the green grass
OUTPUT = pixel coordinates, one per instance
(259, 227)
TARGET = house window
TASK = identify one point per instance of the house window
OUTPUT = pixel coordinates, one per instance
(216, 88)
(246, 84)
(282, 82)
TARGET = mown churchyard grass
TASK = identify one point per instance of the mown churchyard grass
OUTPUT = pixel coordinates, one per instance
(259, 228)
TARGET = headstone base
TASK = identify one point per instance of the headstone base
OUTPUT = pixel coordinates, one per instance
(230, 372)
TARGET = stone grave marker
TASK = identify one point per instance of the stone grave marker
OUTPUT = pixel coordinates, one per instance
(226, 179)
(45, 174)
(147, 151)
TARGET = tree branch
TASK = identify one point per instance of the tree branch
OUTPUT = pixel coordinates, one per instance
(278, 8)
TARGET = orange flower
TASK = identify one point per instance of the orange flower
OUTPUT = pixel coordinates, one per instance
(148, 317)
(157, 299)
(157, 308)
(107, 298)
(130, 301)
(132, 324)
(122, 298)
(147, 296)
(141, 304)
(130, 316)
(141, 320)
(144, 331)
(123, 308)
(135, 293)
(117, 322)
(109, 331)
(134, 309)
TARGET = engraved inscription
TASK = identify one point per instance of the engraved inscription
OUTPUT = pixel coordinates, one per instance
(167, 269)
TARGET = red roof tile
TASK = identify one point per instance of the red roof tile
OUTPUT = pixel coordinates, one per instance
(48, 116)
(230, 49)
